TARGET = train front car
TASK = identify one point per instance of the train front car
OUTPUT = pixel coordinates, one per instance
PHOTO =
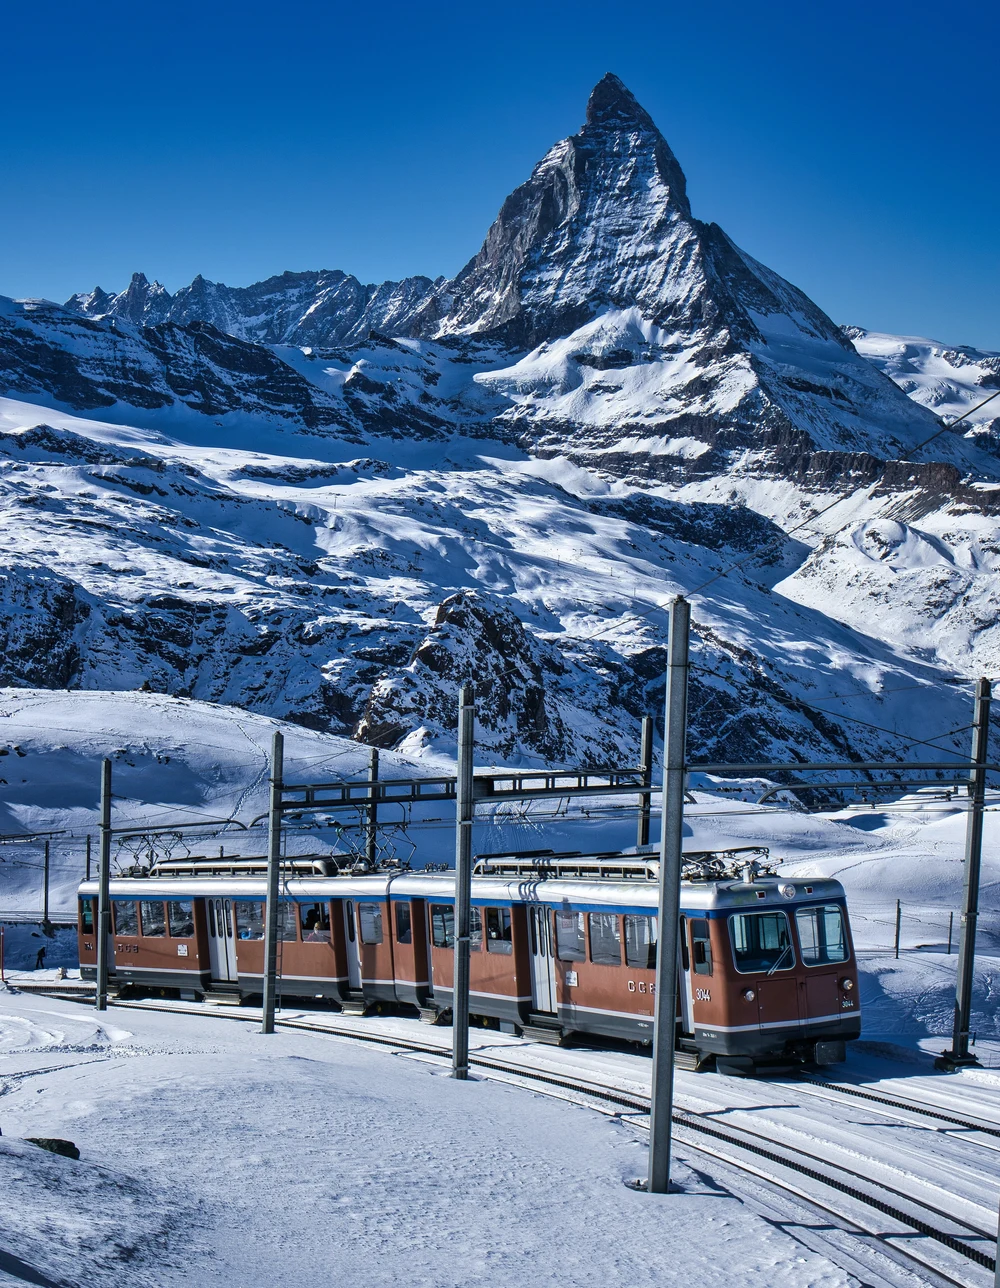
(770, 976)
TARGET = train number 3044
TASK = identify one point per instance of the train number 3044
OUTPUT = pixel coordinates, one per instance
(703, 994)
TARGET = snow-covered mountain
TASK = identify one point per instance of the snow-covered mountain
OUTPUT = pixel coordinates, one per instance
(952, 380)
(330, 502)
(621, 316)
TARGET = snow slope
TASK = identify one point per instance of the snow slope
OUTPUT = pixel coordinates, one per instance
(950, 379)
(176, 761)
(234, 1159)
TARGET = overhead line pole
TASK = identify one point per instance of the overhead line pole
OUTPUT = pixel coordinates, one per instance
(273, 884)
(959, 1053)
(371, 839)
(45, 886)
(671, 833)
(464, 811)
(104, 891)
(646, 766)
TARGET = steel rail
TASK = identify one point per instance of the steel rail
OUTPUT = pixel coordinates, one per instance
(908, 1106)
(951, 1241)
(640, 1105)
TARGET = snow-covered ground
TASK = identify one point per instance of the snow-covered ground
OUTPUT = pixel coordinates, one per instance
(213, 1155)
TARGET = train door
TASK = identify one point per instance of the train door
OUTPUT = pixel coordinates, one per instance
(685, 986)
(353, 947)
(221, 942)
(763, 947)
(543, 964)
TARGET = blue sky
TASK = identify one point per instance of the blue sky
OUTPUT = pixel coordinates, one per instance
(852, 147)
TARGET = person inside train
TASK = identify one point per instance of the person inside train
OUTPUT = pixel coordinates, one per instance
(312, 928)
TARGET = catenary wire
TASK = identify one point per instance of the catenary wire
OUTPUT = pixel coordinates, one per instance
(893, 733)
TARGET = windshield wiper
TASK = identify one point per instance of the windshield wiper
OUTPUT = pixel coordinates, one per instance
(779, 959)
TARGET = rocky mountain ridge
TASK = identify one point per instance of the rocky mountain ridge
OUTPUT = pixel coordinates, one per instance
(331, 502)
(620, 316)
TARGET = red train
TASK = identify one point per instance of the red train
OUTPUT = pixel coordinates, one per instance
(562, 944)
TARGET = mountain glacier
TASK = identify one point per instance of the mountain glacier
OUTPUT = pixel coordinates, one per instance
(331, 502)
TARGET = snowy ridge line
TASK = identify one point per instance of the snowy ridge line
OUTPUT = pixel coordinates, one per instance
(687, 1119)
(909, 1107)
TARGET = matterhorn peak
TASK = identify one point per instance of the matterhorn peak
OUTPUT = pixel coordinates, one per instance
(612, 101)
(599, 224)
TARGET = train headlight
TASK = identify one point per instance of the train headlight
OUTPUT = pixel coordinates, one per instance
(749, 995)
(847, 984)
(786, 891)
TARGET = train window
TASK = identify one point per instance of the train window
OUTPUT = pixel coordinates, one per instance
(640, 942)
(443, 928)
(154, 923)
(180, 918)
(685, 954)
(701, 946)
(404, 926)
(87, 916)
(498, 932)
(250, 920)
(315, 918)
(126, 921)
(350, 920)
(822, 935)
(443, 925)
(287, 927)
(762, 941)
(605, 939)
(569, 937)
(370, 921)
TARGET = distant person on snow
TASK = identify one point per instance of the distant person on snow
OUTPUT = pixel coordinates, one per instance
(40, 959)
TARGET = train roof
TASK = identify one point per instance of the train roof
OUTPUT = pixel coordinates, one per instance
(761, 891)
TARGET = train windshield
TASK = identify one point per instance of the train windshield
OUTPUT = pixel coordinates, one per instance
(762, 941)
(822, 935)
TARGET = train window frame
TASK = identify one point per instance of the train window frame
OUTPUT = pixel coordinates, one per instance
(685, 951)
(827, 960)
(371, 913)
(564, 952)
(88, 919)
(154, 933)
(701, 946)
(403, 913)
(322, 909)
(443, 913)
(288, 921)
(499, 931)
(122, 904)
(180, 918)
(600, 953)
(788, 951)
(633, 959)
(246, 919)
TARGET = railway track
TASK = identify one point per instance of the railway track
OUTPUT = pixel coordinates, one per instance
(881, 1218)
(907, 1106)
